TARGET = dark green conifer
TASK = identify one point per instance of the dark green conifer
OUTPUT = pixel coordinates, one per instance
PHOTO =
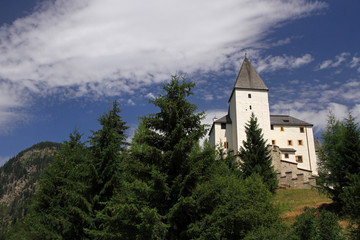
(108, 146)
(60, 202)
(161, 153)
(339, 156)
(255, 155)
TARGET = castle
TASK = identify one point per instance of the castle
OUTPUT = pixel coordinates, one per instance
(291, 139)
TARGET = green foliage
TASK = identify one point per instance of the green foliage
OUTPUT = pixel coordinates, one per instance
(165, 186)
(351, 199)
(59, 205)
(228, 207)
(108, 146)
(312, 226)
(339, 157)
(165, 162)
(273, 232)
(255, 155)
(304, 227)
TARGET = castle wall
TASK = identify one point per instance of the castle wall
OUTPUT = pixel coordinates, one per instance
(289, 174)
(251, 101)
(303, 142)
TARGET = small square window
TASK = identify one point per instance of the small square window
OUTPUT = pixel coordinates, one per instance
(290, 143)
(273, 142)
(249, 95)
(282, 128)
(299, 159)
(301, 129)
(226, 145)
(300, 142)
(223, 125)
(286, 155)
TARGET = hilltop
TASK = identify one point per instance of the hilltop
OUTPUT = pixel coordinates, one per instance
(18, 178)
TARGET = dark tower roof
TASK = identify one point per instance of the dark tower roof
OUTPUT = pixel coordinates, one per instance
(248, 78)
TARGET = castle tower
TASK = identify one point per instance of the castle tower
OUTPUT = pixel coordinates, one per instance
(249, 95)
(291, 138)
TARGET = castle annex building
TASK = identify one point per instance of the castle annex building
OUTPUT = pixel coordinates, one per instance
(292, 139)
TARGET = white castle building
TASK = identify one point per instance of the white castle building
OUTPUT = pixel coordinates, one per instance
(292, 138)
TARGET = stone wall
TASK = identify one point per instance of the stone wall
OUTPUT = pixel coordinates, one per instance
(289, 174)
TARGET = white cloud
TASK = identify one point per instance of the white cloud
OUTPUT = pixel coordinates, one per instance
(313, 102)
(273, 63)
(334, 63)
(131, 102)
(355, 62)
(150, 96)
(208, 97)
(12, 100)
(110, 47)
(326, 64)
(282, 42)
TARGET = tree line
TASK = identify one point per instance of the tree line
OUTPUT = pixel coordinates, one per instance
(163, 185)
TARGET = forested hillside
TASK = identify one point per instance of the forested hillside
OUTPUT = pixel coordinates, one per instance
(18, 178)
(162, 185)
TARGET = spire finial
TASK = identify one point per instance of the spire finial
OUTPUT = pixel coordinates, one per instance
(245, 55)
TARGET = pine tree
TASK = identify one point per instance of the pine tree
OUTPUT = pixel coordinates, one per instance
(60, 204)
(339, 157)
(255, 155)
(161, 149)
(108, 146)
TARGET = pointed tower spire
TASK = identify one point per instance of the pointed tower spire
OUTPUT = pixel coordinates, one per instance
(248, 78)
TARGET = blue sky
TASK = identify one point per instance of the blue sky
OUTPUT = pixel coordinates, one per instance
(63, 62)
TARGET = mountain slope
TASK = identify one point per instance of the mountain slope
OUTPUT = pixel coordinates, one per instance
(18, 178)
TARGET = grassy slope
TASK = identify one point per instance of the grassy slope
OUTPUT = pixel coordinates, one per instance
(291, 202)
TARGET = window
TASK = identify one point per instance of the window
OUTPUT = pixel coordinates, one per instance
(300, 142)
(299, 159)
(273, 142)
(302, 130)
(226, 145)
(223, 125)
(249, 95)
(250, 107)
(272, 127)
(286, 155)
(282, 128)
(290, 143)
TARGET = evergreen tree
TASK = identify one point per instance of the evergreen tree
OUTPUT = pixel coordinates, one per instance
(60, 204)
(255, 155)
(339, 157)
(171, 134)
(108, 146)
(161, 169)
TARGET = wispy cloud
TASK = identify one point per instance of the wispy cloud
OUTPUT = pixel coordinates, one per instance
(331, 63)
(314, 101)
(12, 100)
(111, 47)
(355, 62)
(131, 102)
(282, 42)
(150, 95)
(273, 63)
